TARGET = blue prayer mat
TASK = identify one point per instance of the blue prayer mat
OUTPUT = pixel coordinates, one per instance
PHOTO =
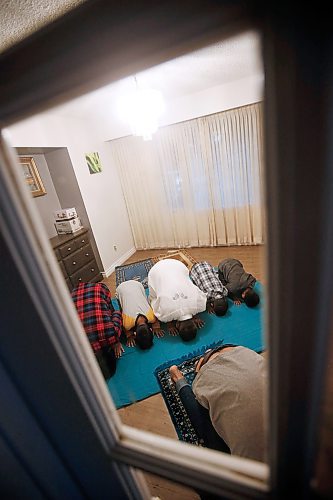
(137, 271)
(134, 379)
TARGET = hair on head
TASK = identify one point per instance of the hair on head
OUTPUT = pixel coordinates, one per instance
(251, 298)
(187, 330)
(220, 306)
(144, 336)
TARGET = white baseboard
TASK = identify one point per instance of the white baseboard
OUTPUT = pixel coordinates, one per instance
(118, 262)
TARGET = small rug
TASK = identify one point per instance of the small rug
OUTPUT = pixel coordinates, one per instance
(136, 271)
(134, 379)
(181, 255)
(178, 414)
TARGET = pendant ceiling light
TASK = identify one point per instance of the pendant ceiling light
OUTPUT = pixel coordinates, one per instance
(142, 110)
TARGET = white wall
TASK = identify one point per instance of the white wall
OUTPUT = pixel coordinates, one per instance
(101, 192)
(221, 98)
(103, 199)
(211, 100)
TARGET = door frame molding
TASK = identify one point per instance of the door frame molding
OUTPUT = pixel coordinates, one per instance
(297, 129)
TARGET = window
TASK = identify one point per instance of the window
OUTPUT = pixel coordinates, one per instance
(292, 150)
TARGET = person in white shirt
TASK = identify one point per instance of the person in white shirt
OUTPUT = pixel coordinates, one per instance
(139, 321)
(175, 299)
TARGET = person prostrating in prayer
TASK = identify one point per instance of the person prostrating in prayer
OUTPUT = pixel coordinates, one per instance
(175, 299)
(139, 322)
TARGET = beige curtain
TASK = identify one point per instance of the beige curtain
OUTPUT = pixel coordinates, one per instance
(197, 183)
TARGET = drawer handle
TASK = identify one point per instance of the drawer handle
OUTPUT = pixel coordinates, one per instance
(74, 263)
(83, 241)
(87, 254)
(92, 269)
(69, 249)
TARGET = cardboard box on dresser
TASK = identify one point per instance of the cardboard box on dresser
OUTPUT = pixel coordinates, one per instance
(64, 214)
(67, 221)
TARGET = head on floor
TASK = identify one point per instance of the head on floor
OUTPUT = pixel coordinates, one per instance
(187, 329)
(144, 336)
(250, 297)
(220, 306)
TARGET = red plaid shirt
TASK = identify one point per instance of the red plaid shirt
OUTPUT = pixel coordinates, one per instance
(101, 322)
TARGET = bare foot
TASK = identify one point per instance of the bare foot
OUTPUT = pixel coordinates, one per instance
(175, 373)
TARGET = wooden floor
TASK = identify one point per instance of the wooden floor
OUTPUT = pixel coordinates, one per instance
(251, 256)
(151, 414)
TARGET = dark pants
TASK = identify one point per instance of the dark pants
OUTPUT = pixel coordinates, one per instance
(106, 359)
(203, 426)
(201, 421)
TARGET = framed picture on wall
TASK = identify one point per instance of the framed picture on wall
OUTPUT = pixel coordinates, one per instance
(94, 163)
(31, 175)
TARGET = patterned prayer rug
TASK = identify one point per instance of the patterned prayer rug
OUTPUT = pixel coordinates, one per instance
(176, 409)
(178, 414)
(181, 255)
(136, 271)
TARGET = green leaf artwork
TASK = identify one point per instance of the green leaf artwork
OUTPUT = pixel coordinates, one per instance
(93, 162)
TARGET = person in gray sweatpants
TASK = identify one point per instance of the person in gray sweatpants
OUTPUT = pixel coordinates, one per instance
(238, 282)
(231, 383)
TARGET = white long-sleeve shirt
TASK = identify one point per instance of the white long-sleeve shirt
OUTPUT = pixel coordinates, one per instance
(172, 294)
(133, 301)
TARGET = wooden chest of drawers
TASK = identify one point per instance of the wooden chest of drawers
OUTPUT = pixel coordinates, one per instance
(76, 258)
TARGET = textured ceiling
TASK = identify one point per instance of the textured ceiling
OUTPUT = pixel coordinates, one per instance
(231, 60)
(226, 62)
(20, 18)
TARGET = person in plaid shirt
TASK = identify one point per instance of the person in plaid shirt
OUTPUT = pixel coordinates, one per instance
(206, 278)
(102, 324)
